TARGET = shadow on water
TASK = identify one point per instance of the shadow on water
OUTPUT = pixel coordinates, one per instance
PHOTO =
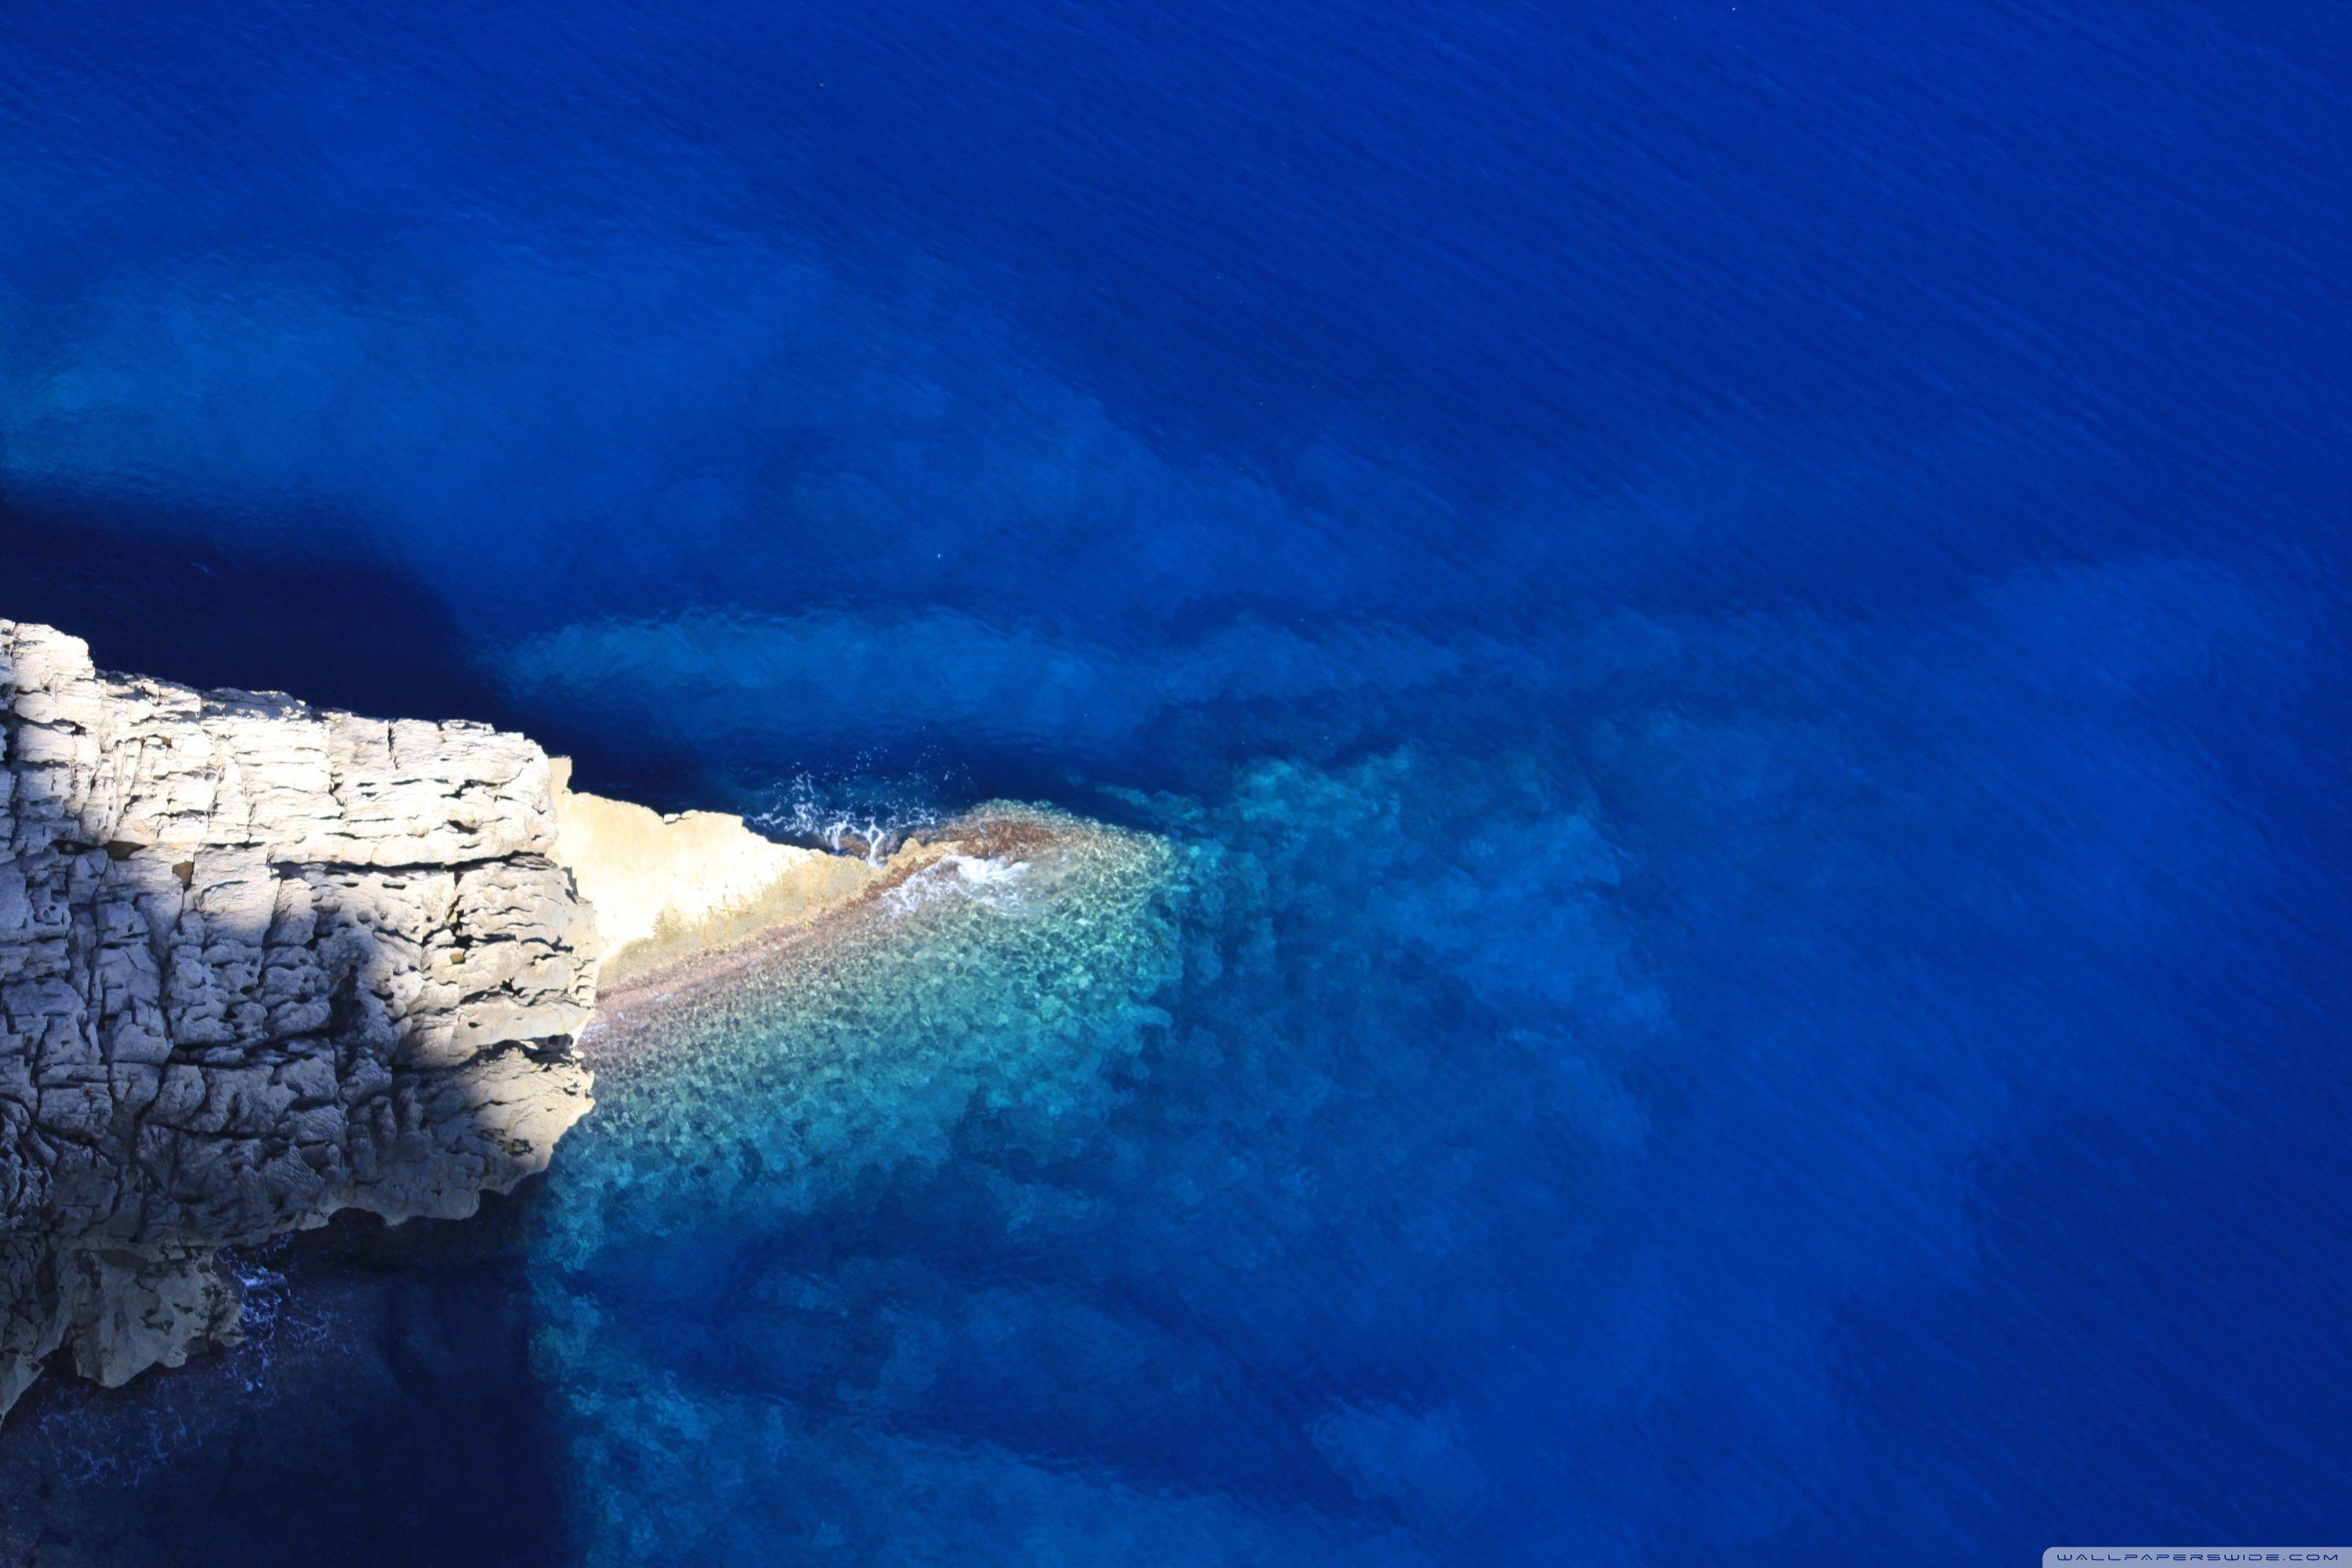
(340, 626)
(382, 1412)
(149, 591)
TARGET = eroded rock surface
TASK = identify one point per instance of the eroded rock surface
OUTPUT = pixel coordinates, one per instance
(670, 888)
(257, 963)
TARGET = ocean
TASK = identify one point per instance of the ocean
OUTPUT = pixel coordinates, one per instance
(1707, 641)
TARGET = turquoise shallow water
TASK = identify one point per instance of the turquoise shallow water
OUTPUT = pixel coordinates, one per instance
(1711, 639)
(736, 1309)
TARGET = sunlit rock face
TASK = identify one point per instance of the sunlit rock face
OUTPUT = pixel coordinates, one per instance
(668, 890)
(258, 964)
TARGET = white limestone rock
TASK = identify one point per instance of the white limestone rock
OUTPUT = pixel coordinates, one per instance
(259, 962)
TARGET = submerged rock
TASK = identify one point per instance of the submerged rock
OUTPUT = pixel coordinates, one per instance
(259, 962)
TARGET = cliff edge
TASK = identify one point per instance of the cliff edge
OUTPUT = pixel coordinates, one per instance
(259, 962)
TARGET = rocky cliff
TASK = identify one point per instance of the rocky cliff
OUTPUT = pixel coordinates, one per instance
(259, 962)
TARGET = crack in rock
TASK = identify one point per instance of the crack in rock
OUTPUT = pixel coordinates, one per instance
(259, 962)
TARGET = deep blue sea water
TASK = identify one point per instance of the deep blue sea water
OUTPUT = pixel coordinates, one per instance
(1715, 634)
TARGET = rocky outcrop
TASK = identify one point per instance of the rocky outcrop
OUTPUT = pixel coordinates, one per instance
(259, 962)
(669, 889)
